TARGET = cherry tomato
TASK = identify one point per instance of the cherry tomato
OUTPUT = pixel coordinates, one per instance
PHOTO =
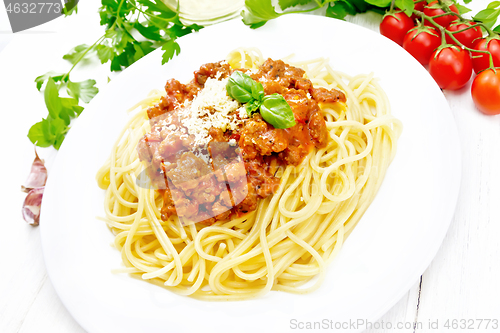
(421, 43)
(486, 92)
(419, 5)
(451, 67)
(395, 26)
(466, 37)
(443, 20)
(483, 60)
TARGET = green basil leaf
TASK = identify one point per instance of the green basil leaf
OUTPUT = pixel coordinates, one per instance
(497, 29)
(257, 90)
(276, 111)
(243, 88)
(239, 93)
(252, 107)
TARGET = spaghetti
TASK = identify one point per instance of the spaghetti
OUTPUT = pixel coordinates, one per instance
(292, 235)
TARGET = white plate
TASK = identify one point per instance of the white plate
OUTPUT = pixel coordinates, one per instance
(391, 246)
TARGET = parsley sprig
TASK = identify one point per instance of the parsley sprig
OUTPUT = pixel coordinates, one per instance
(258, 12)
(134, 28)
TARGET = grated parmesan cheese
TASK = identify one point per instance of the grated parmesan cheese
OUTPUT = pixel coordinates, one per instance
(212, 107)
(242, 112)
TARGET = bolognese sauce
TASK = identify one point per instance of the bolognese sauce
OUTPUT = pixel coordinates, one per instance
(225, 172)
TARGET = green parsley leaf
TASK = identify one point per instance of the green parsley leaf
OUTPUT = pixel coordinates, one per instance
(258, 12)
(150, 32)
(56, 77)
(159, 9)
(70, 7)
(37, 136)
(52, 100)
(112, 4)
(361, 5)
(58, 129)
(122, 40)
(340, 9)
(158, 26)
(177, 30)
(48, 132)
(105, 53)
(142, 48)
(284, 4)
(379, 3)
(47, 129)
(78, 51)
(71, 107)
(171, 48)
(84, 90)
(406, 5)
(59, 140)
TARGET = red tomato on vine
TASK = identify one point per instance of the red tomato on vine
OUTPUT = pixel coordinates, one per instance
(451, 67)
(466, 37)
(433, 9)
(481, 61)
(421, 42)
(418, 5)
(485, 92)
(395, 26)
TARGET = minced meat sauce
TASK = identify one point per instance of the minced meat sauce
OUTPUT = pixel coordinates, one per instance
(227, 177)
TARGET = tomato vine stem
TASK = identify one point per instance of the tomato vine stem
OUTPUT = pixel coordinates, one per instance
(445, 32)
(391, 10)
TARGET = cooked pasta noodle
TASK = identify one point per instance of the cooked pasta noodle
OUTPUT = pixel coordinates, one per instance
(292, 236)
